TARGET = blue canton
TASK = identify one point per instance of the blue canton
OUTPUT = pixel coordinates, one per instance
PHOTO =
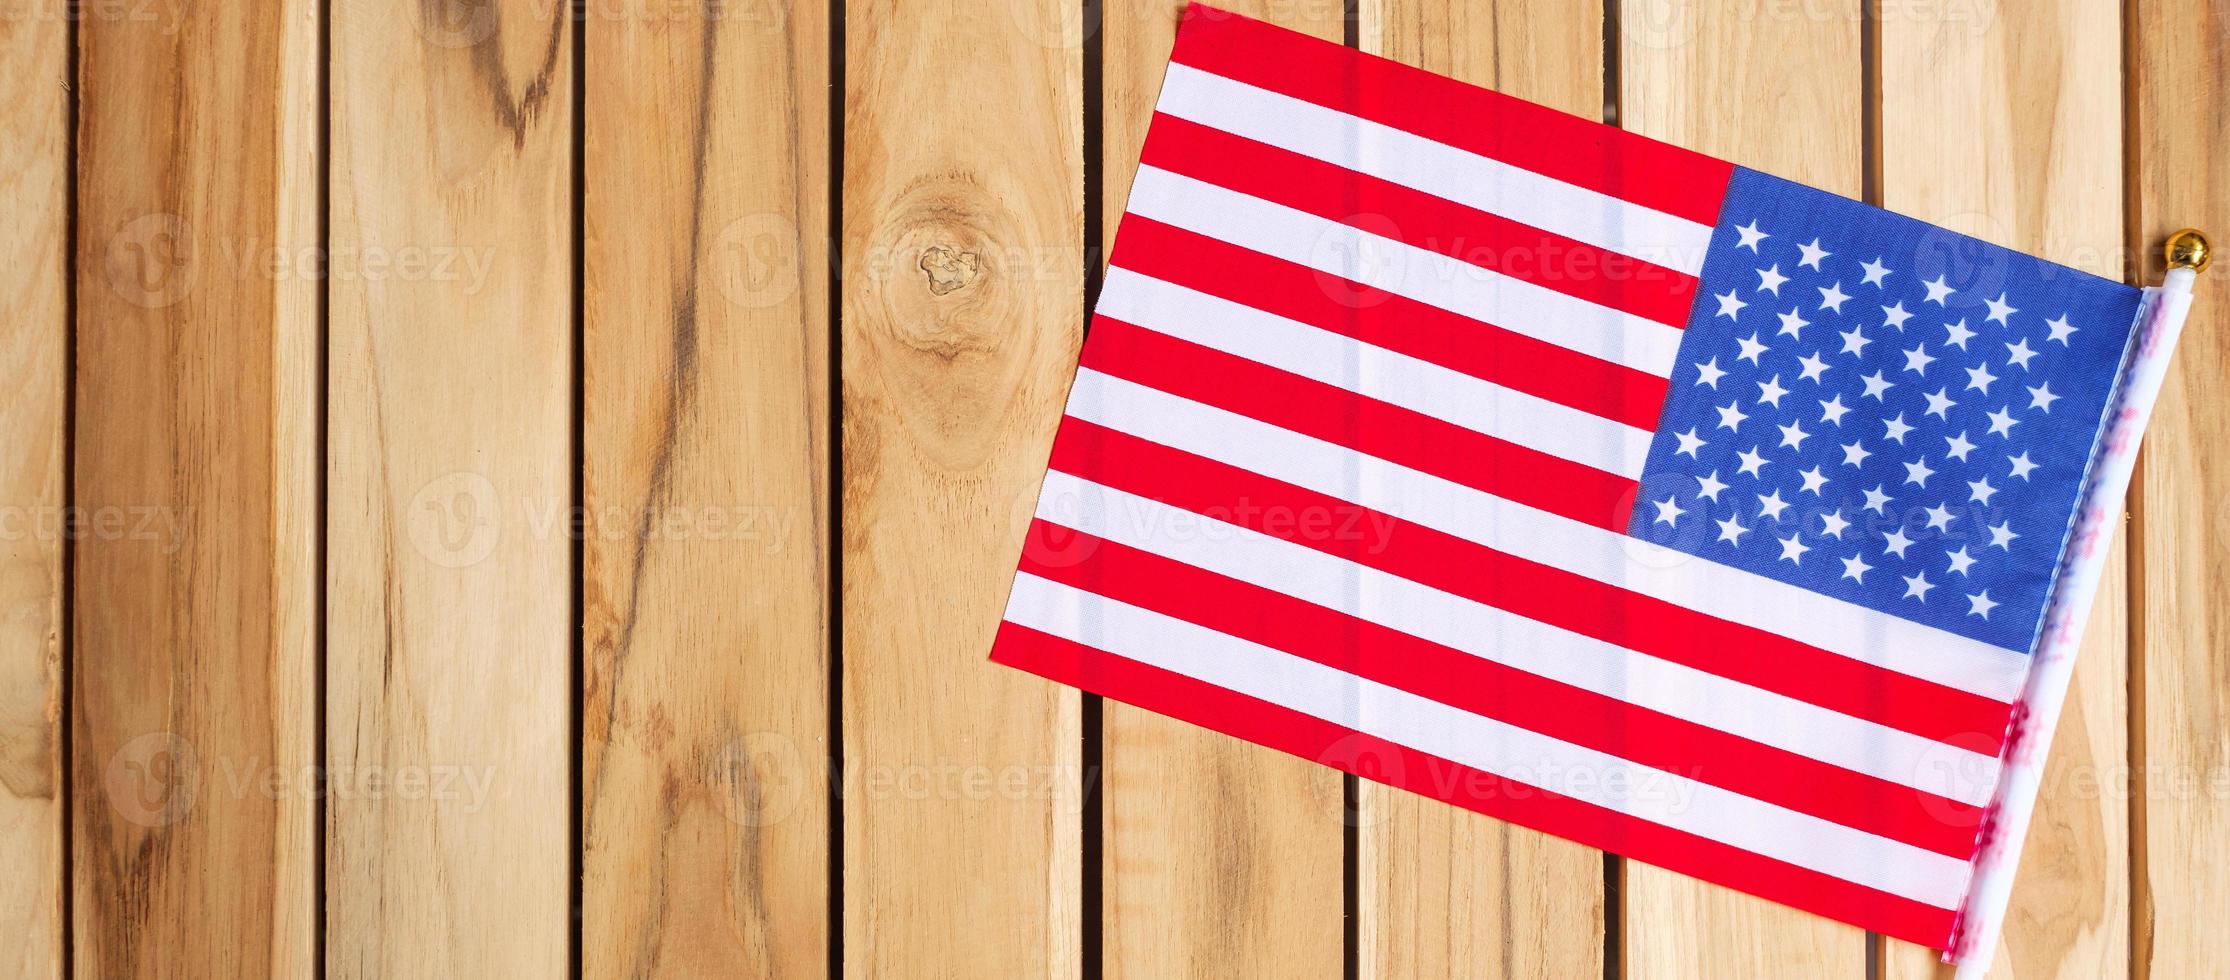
(1880, 410)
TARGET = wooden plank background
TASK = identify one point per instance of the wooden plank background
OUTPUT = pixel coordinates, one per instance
(523, 488)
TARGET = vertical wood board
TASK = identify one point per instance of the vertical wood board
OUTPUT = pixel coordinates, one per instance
(961, 312)
(705, 410)
(451, 521)
(194, 614)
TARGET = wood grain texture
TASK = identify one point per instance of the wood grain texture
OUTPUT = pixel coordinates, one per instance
(962, 308)
(1776, 87)
(186, 843)
(2181, 179)
(2003, 127)
(194, 615)
(1444, 891)
(34, 338)
(706, 417)
(1220, 857)
(450, 482)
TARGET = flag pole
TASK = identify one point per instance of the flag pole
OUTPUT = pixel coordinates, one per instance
(2029, 737)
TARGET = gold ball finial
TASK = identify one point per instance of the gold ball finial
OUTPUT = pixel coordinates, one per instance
(2189, 249)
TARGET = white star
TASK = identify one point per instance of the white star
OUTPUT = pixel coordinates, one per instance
(1939, 404)
(1792, 325)
(1875, 271)
(1980, 604)
(2018, 353)
(1980, 491)
(1979, 378)
(1896, 315)
(1854, 454)
(1690, 442)
(1895, 542)
(1917, 472)
(2000, 309)
(1896, 429)
(1877, 501)
(1855, 569)
(1833, 410)
(1833, 524)
(1770, 391)
(1832, 297)
(1730, 306)
(1937, 291)
(2021, 465)
(1918, 359)
(1793, 436)
(1812, 366)
(1960, 447)
(2041, 397)
(1709, 373)
(1813, 481)
(1813, 253)
(1730, 417)
(1770, 280)
(2001, 422)
(1751, 236)
(1917, 586)
(1751, 348)
(1771, 505)
(1854, 342)
(2060, 329)
(1956, 334)
(1876, 386)
(1709, 487)
(1939, 518)
(1668, 511)
(2002, 535)
(1792, 549)
(1961, 561)
(1731, 530)
(1752, 461)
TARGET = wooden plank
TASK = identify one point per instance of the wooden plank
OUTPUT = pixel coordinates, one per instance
(34, 288)
(2005, 128)
(706, 419)
(1776, 88)
(2182, 178)
(1445, 891)
(962, 309)
(450, 483)
(194, 611)
(1219, 857)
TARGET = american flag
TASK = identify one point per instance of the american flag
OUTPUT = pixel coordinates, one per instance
(1568, 476)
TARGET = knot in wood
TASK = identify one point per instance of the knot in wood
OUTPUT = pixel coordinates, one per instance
(950, 268)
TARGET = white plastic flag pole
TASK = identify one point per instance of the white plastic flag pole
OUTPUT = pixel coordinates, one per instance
(2159, 322)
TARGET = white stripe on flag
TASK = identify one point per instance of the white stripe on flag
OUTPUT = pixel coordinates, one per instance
(1375, 372)
(1451, 174)
(1486, 744)
(1488, 633)
(1720, 591)
(1399, 267)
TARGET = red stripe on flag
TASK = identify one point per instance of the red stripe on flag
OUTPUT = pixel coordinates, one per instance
(1539, 592)
(1414, 217)
(1535, 137)
(1390, 320)
(1484, 687)
(1376, 759)
(1390, 432)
